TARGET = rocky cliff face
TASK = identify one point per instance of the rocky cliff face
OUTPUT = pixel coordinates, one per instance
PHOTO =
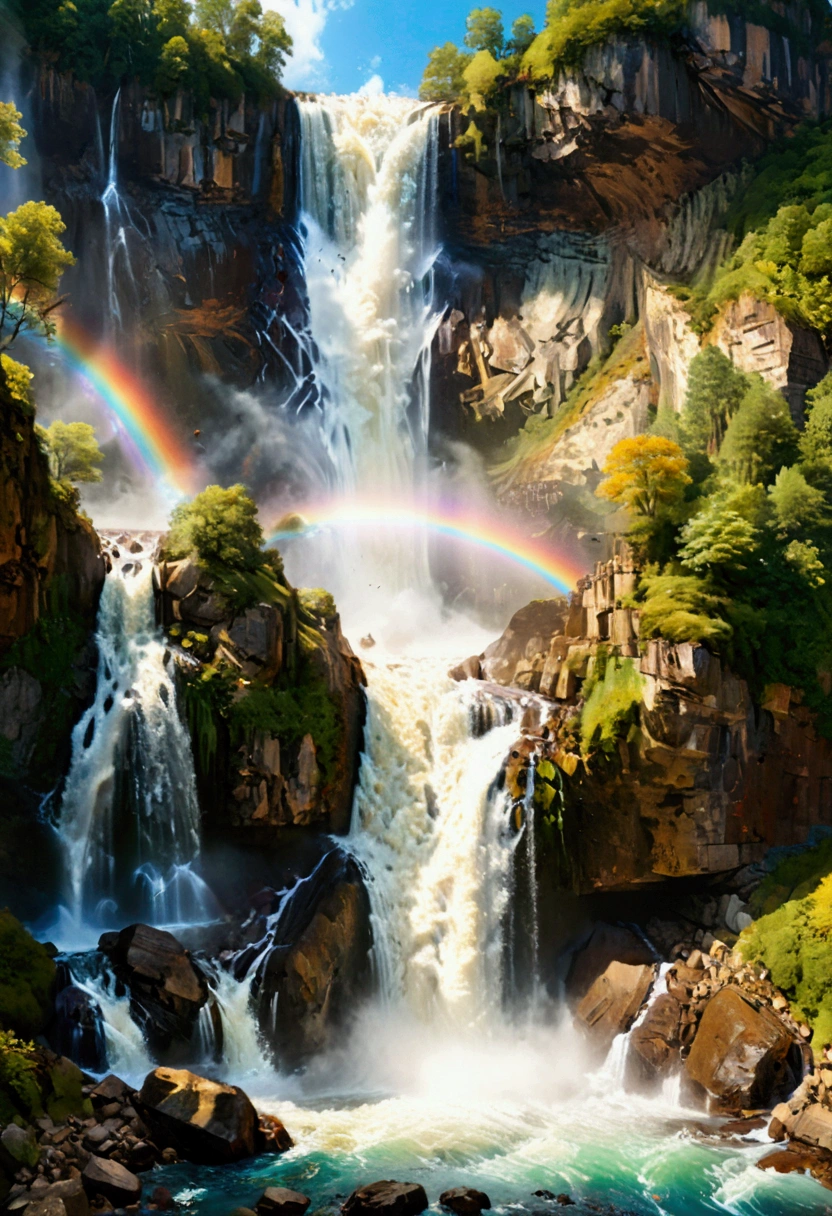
(700, 782)
(51, 574)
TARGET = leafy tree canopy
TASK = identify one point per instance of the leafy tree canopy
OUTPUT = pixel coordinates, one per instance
(220, 526)
(645, 473)
(484, 31)
(74, 454)
(32, 260)
(11, 135)
(444, 76)
(715, 390)
(761, 437)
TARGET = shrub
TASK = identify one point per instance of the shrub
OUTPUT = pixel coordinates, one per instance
(27, 975)
(681, 608)
(220, 526)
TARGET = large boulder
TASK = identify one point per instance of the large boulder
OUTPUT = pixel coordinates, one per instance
(387, 1199)
(205, 1121)
(739, 1055)
(606, 944)
(519, 655)
(612, 1003)
(279, 1201)
(112, 1181)
(654, 1043)
(166, 990)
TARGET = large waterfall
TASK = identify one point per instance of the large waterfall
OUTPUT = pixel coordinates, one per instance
(129, 815)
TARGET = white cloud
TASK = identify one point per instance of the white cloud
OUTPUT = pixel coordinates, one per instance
(306, 20)
(372, 86)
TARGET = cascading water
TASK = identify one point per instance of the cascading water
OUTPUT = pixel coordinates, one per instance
(118, 222)
(368, 198)
(129, 816)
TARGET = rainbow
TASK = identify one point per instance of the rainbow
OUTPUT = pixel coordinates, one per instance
(137, 414)
(556, 569)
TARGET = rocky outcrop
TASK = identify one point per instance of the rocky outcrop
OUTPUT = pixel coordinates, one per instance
(204, 1121)
(291, 643)
(612, 1003)
(704, 781)
(166, 990)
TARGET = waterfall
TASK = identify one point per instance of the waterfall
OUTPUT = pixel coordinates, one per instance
(368, 200)
(433, 833)
(129, 817)
(117, 224)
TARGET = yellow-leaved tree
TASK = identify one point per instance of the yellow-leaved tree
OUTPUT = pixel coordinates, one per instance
(644, 474)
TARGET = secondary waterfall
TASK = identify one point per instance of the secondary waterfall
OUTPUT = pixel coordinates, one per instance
(129, 817)
(368, 198)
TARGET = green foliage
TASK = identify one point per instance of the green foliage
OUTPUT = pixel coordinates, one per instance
(481, 77)
(27, 976)
(32, 260)
(611, 705)
(718, 540)
(74, 454)
(18, 379)
(318, 602)
(760, 438)
(11, 135)
(227, 47)
(573, 26)
(796, 876)
(522, 35)
(795, 944)
(816, 440)
(484, 31)
(644, 474)
(207, 694)
(715, 391)
(797, 505)
(681, 608)
(290, 712)
(19, 1092)
(221, 527)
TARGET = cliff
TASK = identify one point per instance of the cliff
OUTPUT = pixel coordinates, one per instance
(691, 777)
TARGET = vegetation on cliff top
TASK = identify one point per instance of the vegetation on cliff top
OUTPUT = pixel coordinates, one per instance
(740, 557)
(213, 49)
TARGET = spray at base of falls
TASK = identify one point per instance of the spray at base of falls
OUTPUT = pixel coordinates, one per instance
(129, 816)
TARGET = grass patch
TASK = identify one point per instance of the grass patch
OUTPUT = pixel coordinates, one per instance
(611, 705)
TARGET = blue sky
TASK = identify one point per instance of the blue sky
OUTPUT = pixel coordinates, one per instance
(344, 45)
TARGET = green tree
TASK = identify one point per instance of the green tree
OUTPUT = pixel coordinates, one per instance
(645, 473)
(74, 454)
(816, 440)
(444, 77)
(11, 134)
(797, 505)
(481, 76)
(220, 526)
(32, 260)
(484, 31)
(522, 35)
(174, 64)
(681, 608)
(715, 390)
(274, 43)
(172, 17)
(718, 540)
(244, 28)
(760, 438)
(217, 15)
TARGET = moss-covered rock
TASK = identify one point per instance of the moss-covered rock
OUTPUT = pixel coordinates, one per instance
(27, 978)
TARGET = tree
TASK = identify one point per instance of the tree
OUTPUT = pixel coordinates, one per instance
(11, 134)
(244, 28)
(172, 17)
(715, 390)
(444, 77)
(274, 43)
(645, 473)
(522, 35)
(816, 440)
(717, 539)
(174, 64)
(216, 15)
(220, 526)
(760, 438)
(74, 454)
(798, 506)
(32, 260)
(481, 76)
(484, 31)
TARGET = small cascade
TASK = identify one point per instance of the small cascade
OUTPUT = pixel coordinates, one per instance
(368, 199)
(129, 816)
(117, 225)
(433, 834)
(613, 1072)
(126, 1050)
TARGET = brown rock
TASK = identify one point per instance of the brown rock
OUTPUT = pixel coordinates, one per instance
(814, 1126)
(273, 1136)
(607, 944)
(614, 1000)
(387, 1199)
(654, 1043)
(529, 632)
(279, 1201)
(203, 1121)
(739, 1053)
(72, 1194)
(112, 1181)
(465, 1201)
(111, 1089)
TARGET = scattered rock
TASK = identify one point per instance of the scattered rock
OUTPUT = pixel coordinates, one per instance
(279, 1201)
(388, 1199)
(112, 1181)
(465, 1201)
(203, 1121)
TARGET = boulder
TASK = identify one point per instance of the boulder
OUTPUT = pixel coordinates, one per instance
(46, 1205)
(654, 1043)
(606, 944)
(526, 638)
(110, 1089)
(279, 1201)
(388, 1199)
(814, 1126)
(104, 1177)
(739, 1055)
(465, 1201)
(166, 990)
(204, 1121)
(612, 1003)
(71, 1193)
(19, 1146)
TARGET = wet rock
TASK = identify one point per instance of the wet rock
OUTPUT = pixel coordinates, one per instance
(739, 1054)
(654, 1043)
(18, 1145)
(387, 1199)
(468, 669)
(612, 1003)
(72, 1194)
(527, 636)
(163, 1199)
(78, 1029)
(111, 1181)
(273, 1136)
(166, 990)
(607, 944)
(279, 1201)
(257, 637)
(110, 1089)
(464, 1200)
(203, 1121)
(46, 1205)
